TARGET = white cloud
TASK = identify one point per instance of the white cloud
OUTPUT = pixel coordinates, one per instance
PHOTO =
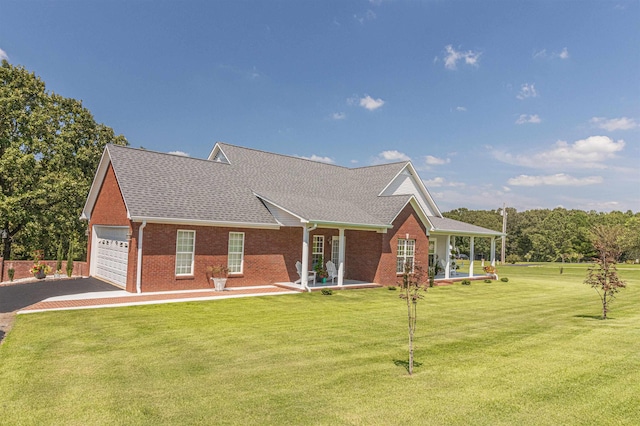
(433, 183)
(584, 153)
(369, 15)
(439, 182)
(612, 124)
(452, 56)
(435, 161)
(391, 156)
(319, 159)
(527, 91)
(338, 116)
(560, 179)
(3, 55)
(371, 104)
(461, 109)
(564, 54)
(180, 153)
(542, 54)
(531, 119)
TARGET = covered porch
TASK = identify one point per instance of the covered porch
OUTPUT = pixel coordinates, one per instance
(346, 285)
(449, 262)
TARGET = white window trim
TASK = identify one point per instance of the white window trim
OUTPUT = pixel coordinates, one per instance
(193, 253)
(335, 254)
(313, 247)
(404, 258)
(241, 254)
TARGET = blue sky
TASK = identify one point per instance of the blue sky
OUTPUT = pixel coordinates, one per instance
(531, 103)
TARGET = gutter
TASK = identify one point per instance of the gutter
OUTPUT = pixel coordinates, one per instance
(139, 263)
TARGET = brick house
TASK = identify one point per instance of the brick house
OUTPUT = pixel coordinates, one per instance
(157, 221)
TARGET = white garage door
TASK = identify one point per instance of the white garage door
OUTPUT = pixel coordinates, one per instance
(111, 254)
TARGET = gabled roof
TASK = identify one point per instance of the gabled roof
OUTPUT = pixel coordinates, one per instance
(240, 186)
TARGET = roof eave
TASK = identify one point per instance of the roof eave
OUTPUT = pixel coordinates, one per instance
(198, 222)
(466, 233)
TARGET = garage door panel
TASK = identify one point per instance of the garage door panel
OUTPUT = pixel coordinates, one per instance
(111, 254)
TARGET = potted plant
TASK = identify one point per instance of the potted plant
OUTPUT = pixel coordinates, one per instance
(40, 270)
(321, 272)
(219, 274)
(11, 272)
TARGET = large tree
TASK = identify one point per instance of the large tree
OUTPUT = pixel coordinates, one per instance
(50, 147)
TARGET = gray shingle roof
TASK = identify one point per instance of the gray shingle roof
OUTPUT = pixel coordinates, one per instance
(164, 186)
(319, 191)
(156, 185)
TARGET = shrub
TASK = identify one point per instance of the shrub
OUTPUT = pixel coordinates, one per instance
(59, 257)
(513, 258)
(488, 281)
(391, 288)
(504, 279)
(11, 272)
(466, 282)
(70, 260)
(327, 291)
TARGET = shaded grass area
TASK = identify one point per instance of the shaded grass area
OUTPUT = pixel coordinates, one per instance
(530, 351)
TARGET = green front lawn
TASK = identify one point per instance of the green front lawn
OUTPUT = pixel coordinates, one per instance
(530, 351)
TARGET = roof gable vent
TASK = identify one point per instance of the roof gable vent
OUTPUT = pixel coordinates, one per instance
(219, 157)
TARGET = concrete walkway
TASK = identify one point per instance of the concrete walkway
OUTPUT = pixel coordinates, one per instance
(29, 296)
(117, 298)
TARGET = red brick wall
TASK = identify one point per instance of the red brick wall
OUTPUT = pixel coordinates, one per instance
(110, 210)
(407, 222)
(362, 254)
(269, 256)
(22, 268)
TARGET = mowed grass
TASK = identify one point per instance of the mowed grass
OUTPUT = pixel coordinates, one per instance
(530, 351)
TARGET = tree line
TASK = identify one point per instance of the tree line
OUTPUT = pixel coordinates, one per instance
(50, 147)
(544, 235)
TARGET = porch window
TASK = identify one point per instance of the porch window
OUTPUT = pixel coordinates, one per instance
(185, 246)
(406, 253)
(235, 257)
(317, 250)
(335, 249)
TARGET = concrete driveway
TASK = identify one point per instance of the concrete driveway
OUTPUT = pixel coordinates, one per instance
(14, 297)
(18, 296)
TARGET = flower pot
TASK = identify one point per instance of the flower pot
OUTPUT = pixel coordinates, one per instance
(40, 275)
(219, 283)
(324, 280)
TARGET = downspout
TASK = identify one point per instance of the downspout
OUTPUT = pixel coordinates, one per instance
(139, 264)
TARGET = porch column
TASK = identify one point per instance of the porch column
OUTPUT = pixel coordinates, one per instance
(341, 250)
(447, 258)
(304, 279)
(471, 257)
(493, 251)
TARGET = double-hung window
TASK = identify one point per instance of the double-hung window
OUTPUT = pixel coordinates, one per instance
(406, 254)
(185, 247)
(317, 250)
(236, 252)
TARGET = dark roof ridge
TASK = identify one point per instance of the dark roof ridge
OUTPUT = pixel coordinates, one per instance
(283, 155)
(109, 145)
(381, 165)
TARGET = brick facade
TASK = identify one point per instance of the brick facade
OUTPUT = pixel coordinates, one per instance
(269, 255)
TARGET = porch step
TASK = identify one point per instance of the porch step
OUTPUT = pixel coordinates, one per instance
(442, 283)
